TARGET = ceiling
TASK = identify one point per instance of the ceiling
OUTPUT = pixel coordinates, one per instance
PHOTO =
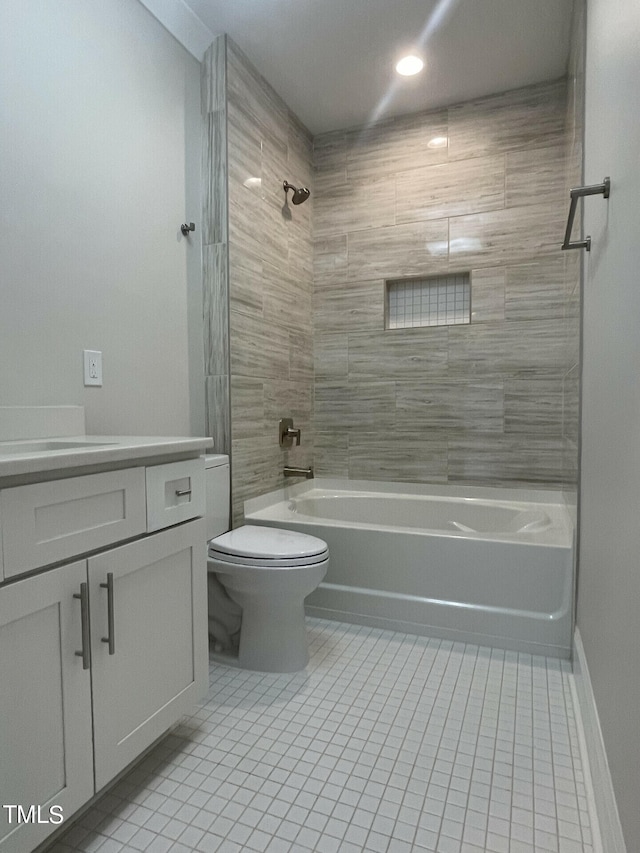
(332, 61)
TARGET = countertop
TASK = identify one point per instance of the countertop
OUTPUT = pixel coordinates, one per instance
(50, 454)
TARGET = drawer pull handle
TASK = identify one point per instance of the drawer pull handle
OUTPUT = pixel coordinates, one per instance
(182, 492)
(85, 654)
(111, 638)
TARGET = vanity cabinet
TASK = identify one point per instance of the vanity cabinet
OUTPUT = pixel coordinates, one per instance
(99, 656)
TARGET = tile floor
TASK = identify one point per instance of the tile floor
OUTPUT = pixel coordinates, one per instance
(387, 743)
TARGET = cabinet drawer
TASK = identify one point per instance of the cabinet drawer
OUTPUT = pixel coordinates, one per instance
(175, 493)
(44, 523)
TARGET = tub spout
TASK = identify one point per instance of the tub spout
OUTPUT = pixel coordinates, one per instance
(299, 472)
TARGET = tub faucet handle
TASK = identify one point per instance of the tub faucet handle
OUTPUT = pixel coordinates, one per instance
(294, 434)
(287, 434)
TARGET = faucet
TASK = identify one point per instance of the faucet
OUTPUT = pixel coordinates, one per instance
(290, 471)
(287, 434)
(290, 432)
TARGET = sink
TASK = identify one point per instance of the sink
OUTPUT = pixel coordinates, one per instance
(11, 448)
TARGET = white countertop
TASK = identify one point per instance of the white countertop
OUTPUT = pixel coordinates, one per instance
(75, 451)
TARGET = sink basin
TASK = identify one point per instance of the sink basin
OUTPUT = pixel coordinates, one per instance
(11, 448)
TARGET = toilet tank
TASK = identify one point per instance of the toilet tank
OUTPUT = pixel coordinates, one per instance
(218, 495)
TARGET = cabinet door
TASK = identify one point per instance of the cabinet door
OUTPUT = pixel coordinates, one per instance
(157, 665)
(45, 704)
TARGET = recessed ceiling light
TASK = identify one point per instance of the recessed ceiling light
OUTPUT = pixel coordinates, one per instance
(409, 65)
(438, 142)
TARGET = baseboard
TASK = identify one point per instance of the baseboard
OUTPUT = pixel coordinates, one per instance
(608, 835)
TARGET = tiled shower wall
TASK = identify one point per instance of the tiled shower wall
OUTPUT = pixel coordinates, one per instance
(270, 281)
(483, 402)
(495, 401)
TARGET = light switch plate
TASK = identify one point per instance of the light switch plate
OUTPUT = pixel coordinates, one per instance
(92, 367)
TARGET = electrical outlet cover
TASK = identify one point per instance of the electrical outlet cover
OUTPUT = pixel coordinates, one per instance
(92, 367)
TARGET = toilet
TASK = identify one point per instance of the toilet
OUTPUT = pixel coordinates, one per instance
(265, 571)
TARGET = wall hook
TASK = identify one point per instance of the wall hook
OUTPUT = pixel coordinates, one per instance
(186, 228)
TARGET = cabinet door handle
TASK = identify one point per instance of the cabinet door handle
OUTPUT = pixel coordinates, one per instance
(111, 638)
(85, 654)
(181, 492)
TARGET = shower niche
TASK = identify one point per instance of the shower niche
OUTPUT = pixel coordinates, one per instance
(442, 300)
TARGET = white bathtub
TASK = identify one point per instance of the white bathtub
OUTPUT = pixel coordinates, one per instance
(483, 565)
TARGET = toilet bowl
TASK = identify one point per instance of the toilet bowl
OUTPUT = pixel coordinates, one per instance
(268, 572)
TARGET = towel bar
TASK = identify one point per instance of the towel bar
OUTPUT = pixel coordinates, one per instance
(578, 192)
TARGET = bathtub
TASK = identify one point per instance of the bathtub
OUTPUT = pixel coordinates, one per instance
(482, 565)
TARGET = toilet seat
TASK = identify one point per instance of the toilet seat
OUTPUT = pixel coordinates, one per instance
(266, 563)
(268, 547)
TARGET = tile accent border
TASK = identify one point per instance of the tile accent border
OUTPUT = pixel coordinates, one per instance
(215, 254)
(595, 758)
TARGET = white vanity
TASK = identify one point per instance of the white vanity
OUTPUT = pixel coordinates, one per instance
(103, 622)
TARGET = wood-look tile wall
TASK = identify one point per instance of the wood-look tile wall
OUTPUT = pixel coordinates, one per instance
(270, 281)
(491, 402)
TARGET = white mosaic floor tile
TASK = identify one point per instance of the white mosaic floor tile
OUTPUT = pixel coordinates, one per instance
(387, 743)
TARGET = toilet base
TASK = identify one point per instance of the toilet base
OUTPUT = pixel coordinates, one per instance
(223, 657)
(273, 633)
(273, 640)
(263, 653)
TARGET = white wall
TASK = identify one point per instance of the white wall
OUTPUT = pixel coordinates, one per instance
(96, 113)
(609, 572)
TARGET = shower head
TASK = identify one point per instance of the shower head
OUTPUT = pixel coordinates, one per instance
(299, 195)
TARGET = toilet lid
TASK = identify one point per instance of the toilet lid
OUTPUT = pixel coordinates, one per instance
(268, 546)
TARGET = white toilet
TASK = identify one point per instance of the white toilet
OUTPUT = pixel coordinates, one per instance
(268, 572)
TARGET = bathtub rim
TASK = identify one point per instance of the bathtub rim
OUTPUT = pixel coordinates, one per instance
(554, 497)
(553, 500)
